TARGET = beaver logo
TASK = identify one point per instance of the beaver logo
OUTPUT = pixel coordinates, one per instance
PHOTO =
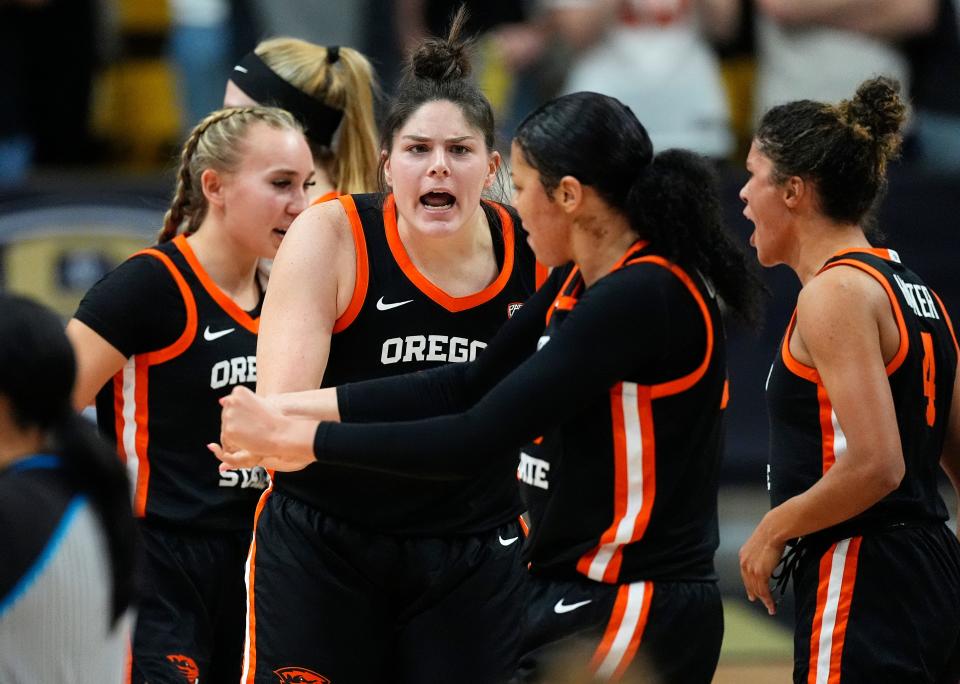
(298, 675)
(186, 666)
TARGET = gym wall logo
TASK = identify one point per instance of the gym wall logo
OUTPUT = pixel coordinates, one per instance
(513, 308)
(298, 675)
(186, 666)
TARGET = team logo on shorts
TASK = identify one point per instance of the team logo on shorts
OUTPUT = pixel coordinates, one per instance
(298, 675)
(186, 666)
(513, 308)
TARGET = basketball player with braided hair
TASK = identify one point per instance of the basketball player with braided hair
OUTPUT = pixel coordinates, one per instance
(158, 341)
(864, 405)
(329, 90)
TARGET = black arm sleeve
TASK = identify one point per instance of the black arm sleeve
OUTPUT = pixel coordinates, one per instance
(137, 307)
(453, 387)
(620, 328)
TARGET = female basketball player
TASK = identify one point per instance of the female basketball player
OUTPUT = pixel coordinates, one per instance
(66, 580)
(330, 92)
(863, 401)
(359, 576)
(158, 341)
(613, 375)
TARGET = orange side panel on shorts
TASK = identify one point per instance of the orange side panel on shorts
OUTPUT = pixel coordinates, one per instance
(250, 658)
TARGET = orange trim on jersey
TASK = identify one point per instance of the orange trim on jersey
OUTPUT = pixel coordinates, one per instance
(797, 368)
(189, 304)
(542, 273)
(452, 304)
(613, 635)
(837, 577)
(633, 435)
(560, 295)
(218, 295)
(325, 197)
(362, 281)
(946, 317)
(684, 383)
(250, 647)
(827, 433)
(524, 526)
(725, 397)
(901, 354)
(881, 252)
(118, 414)
(142, 438)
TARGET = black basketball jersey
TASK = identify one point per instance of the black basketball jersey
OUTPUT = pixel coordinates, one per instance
(398, 322)
(805, 437)
(627, 491)
(162, 409)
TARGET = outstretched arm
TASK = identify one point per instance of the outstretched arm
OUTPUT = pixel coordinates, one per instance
(602, 341)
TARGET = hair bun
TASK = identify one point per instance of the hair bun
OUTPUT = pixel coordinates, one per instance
(877, 107)
(441, 60)
(444, 59)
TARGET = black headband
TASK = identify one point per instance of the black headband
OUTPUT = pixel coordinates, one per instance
(263, 84)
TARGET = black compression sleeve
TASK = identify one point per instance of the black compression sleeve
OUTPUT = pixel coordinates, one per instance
(453, 387)
(621, 327)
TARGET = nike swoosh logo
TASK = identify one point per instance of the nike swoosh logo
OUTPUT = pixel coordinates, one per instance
(211, 336)
(562, 607)
(383, 306)
(507, 542)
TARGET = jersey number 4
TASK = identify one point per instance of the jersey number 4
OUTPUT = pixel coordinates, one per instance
(929, 377)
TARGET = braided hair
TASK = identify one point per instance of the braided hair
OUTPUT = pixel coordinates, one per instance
(214, 143)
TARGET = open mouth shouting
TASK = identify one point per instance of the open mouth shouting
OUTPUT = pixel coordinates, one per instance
(438, 200)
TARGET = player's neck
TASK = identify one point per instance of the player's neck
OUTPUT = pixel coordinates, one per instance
(599, 240)
(822, 240)
(231, 267)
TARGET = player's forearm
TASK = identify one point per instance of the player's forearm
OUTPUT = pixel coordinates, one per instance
(844, 492)
(319, 404)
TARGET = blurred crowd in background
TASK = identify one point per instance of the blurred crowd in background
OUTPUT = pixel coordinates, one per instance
(98, 95)
(115, 83)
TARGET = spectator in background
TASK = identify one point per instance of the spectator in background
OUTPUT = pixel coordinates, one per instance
(655, 56)
(822, 49)
(935, 62)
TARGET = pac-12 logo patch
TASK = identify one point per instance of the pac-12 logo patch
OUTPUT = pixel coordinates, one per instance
(298, 675)
(186, 666)
(513, 308)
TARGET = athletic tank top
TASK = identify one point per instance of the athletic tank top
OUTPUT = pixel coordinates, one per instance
(161, 410)
(398, 322)
(627, 491)
(805, 437)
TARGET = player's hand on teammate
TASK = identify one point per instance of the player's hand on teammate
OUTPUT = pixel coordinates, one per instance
(759, 556)
(254, 432)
